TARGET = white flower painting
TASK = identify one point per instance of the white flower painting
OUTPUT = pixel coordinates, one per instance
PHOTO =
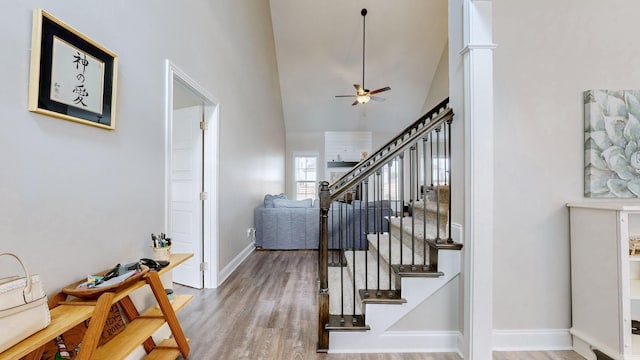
(612, 143)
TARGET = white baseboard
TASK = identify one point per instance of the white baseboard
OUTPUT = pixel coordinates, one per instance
(532, 340)
(400, 342)
(228, 270)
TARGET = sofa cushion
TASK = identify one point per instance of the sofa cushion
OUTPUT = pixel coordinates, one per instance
(268, 199)
(284, 203)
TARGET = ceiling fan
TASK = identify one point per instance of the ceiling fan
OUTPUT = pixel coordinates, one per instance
(363, 95)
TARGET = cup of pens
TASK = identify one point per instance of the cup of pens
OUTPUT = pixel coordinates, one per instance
(161, 246)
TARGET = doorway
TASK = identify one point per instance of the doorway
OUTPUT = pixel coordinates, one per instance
(191, 159)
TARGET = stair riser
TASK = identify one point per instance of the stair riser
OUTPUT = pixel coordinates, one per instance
(432, 217)
(375, 270)
(383, 249)
(432, 214)
(418, 228)
(347, 291)
(417, 244)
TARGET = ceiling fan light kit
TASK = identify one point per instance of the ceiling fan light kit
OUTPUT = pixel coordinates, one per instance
(363, 95)
(363, 99)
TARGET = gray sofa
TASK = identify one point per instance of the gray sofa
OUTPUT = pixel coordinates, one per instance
(285, 228)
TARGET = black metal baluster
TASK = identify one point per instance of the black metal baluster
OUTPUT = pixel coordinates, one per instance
(438, 184)
(412, 151)
(417, 173)
(365, 191)
(424, 202)
(449, 238)
(341, 251)
(431, 155)
(396, 189)
(401, 171)
(389, 165)
(333, 240)
(353, 251)
(445, 148)
(377, 215)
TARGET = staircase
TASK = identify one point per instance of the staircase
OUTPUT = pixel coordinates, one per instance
(364, 292)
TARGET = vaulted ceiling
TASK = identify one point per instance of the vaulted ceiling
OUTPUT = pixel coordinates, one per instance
(319, 54)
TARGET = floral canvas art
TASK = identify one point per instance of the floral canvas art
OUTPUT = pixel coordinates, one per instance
(612, 143)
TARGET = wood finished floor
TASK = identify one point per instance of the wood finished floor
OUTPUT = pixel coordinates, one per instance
(267, 310)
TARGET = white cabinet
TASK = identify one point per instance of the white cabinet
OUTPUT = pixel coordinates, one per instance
(605, 278)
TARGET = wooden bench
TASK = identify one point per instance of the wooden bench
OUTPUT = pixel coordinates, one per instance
(65, 315)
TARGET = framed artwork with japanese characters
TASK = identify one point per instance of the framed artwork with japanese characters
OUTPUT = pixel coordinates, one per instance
(72, 77)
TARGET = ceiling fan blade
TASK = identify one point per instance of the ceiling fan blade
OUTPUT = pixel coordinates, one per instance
(380, 90)
(346, 95)
(377, 98)
(355, 103)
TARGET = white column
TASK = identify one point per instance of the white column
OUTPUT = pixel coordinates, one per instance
(478, 184)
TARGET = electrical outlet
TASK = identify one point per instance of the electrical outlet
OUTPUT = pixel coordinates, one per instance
(251, 234)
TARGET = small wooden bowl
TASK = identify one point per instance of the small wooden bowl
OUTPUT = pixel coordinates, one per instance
(94, 293)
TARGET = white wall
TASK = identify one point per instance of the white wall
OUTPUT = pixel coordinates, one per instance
(548, 53)
(77, 199)
(439, 87)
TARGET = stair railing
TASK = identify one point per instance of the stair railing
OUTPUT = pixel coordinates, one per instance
(366, 221)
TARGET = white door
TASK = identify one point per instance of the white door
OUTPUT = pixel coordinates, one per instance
(186, 187)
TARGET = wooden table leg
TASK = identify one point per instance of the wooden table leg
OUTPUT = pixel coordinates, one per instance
(96, 324)
(153, 279)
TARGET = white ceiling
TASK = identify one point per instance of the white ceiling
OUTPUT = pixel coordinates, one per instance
(319, 54)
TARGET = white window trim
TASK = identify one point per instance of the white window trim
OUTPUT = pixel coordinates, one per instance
(296, 154)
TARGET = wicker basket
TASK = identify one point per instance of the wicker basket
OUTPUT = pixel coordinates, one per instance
(161, 254)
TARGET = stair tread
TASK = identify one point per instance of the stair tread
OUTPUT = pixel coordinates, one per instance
(372, 271)
(347, 323)
(381, 297)
(395, 249)
(445, 245)
(417, 271)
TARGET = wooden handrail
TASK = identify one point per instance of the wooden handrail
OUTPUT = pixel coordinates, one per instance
(376, 161)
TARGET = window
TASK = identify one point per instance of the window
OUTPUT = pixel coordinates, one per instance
(440, 175)
(305, 168)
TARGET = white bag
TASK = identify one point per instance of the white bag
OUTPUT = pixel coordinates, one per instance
(23, 307)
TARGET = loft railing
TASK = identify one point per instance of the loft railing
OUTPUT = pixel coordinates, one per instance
(390, 187)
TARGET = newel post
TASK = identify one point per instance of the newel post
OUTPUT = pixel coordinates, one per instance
(323, 269)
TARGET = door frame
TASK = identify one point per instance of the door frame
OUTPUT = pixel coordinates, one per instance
(210, 249)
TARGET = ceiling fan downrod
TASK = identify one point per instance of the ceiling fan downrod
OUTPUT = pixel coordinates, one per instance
(363, 95)
(363, 12)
